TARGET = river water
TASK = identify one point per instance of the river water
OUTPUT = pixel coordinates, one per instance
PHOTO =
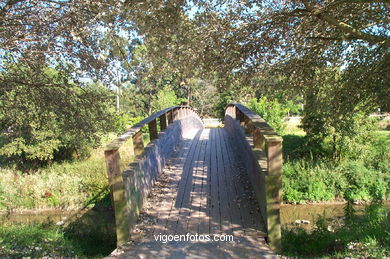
(290, 215)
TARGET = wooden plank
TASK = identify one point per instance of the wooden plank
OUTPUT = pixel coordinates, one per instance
(215, 213)
(223, 196)
(177, 206)
(236, 220)
(153, 133)
(185, 189)
(204, 218)
(138, 143)
(165, 209)
(163, 121)
(196, 194)
(245, 200)
(273, 186)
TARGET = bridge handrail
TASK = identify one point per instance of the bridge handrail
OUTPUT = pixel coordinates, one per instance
(267, 154)
(113, 159)
(247, 117)
(166, 114)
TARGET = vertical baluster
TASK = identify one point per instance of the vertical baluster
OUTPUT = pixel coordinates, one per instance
(163, 122)
(153, 133)
(117, 190)
(138, 143)
(273, 186)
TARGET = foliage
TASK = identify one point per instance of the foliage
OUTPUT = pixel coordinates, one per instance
(69, 185)
(44, 240)
(310, 176)
(328, 117)
(37, 128)
(360, 236)
(79, 38)
(271, 111)
(29, 240)
(125, 121)
(284, 39)
(222, 101)
(165, 98)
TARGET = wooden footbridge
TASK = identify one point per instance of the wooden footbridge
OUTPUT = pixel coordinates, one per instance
(194, 180)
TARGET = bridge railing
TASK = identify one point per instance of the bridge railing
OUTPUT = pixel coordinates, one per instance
(261, 150)
(130, 146)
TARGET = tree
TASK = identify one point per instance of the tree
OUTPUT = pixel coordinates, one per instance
(67, 120)
(292, 39)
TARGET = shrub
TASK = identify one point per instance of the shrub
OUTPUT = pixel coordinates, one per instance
(165, 98)
(52, 119)
(363, 183)
(271, 111)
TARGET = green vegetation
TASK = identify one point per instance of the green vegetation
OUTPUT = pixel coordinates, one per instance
(46, 240)
(310, 174)
(357, 236)
(60, 77)
(36, 129)
(272, 111)
(67, 185)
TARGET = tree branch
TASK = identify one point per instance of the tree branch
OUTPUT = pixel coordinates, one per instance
(346, 28)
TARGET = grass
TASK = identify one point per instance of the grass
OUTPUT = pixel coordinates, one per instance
(62, 185)
(310, 176)
(44, 240)
(67, 185)
(364, 236)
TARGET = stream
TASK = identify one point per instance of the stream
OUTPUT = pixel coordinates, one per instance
(104, 219)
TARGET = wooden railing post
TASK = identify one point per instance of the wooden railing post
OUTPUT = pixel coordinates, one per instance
(117, 189)
(247, 125)
(138, 143)
(258, 139)
(233, 112)
(163, 122)
(153, 129)
(170, 117)
(175, 114)
(273, 186)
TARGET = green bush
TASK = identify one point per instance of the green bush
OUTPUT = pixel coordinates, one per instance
(53, 119)
(165, 98)
(307, 180)
(271, 111)
(363, 183)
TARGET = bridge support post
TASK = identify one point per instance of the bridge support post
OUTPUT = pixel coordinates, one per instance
(138, 143)
(153, 129)
(117, 190)
(175, 114)
(273, 186)
(170, 117)
(258, 139)
(163, 121)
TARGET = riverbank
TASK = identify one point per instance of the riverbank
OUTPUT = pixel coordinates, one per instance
(311, 175)
(91, 234)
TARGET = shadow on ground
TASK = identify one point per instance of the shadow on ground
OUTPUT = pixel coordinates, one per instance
(93, 231)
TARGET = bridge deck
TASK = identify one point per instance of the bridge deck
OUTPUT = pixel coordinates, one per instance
(203, 190)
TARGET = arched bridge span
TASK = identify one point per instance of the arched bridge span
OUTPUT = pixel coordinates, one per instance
(195, 180)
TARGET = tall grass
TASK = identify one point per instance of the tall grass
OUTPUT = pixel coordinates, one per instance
(310, 175)
(47, 241)
(67, 185)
